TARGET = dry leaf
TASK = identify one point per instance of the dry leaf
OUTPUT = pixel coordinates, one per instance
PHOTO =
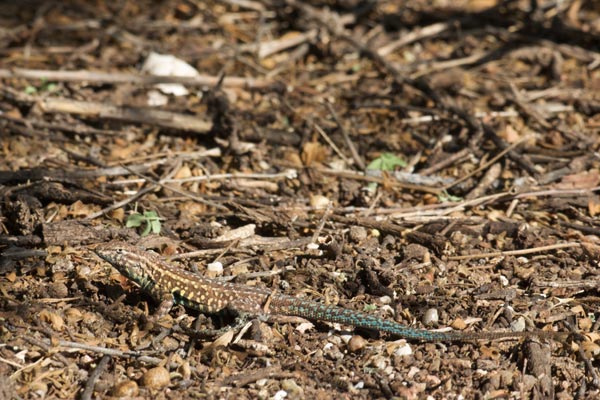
(593, 207)
(313, 152)
(80, 209)
(53, 319)
(73, 315)
(191, 208)
(183, 172)
(122, 150)
(591, 249)
(458, 324)
(223, 340)
(591, 349)
(118, 214)
(510, 134)
(11, 276)
(585, 324)
(489, 352)
(593, 336)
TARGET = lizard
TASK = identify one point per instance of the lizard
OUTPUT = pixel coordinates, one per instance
(172, 285)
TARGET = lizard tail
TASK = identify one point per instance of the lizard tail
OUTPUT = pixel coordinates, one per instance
(292, 306)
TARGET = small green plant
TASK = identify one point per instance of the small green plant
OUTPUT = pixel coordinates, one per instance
(44, 86)
(447, 197)
(369, 307)
(149, 218)
(386, 162)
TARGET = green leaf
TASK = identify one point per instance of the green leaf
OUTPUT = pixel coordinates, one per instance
(146, 230)
(150, 219)
(386, 162)
(372, 187)
(445, 196)
(369, 307)
(150, 214)
(49, 87)
(135, 220)
(155, 226)
(30, 90)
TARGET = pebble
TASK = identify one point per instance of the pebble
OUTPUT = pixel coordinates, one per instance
(125, 389)
(170, 344)
(416, 252)
(431, 317)
(319, 202)
(518, 325)
(156, 378)
(404, 350)
(379, 362)
(214, 269)
(292, 388)
(356, 343)
(357, 234)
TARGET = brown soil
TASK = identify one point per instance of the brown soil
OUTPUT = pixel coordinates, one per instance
(435, 165)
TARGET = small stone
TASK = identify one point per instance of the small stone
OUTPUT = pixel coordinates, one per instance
(125, 389)
(518, 325)
(333, 352)
(358, 234)
(379, 362)
(319, 202)
(335, 340)
(292, 388)
(430, 317)
(386, 300)
(280, 395)
(58, 290)
(170, 344)
(156, 378)
(412, 372)
(312, 246)
(214, 269)
(356, 343)
(416, 252)
(40, 389)
(404, 350)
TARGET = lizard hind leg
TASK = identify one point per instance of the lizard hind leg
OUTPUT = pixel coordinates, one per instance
(238, 323)
(211, 333)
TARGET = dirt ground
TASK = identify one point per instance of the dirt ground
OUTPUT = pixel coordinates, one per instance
(432, 163)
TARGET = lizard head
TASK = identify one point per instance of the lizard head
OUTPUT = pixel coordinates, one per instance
(128, 260)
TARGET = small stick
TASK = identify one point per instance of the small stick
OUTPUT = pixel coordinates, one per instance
(88, 391)
(515, 252)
